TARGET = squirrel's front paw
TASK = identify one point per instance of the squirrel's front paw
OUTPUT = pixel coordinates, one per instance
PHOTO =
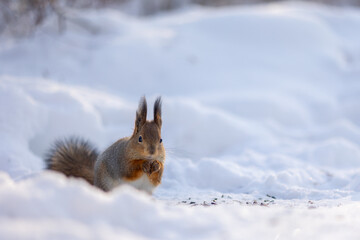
(155, 166)
(151, 167)
(147, 167)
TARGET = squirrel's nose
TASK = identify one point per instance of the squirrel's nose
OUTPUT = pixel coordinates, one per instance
(152, 150)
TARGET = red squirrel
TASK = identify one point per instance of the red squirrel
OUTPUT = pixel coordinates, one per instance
(137, 160)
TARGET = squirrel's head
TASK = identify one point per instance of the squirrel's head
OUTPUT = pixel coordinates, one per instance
(146, 141)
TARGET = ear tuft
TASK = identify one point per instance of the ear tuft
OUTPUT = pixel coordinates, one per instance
(157, 112)
(142, 109)
(140, 115)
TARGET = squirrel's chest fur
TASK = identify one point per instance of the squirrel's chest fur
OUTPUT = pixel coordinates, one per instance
(142, 183)
(140, 176)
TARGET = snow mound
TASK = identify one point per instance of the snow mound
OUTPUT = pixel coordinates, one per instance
(50, 206)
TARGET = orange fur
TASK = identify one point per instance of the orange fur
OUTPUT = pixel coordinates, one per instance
(134, 170)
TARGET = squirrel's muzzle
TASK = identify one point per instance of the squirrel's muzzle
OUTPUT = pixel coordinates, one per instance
(152, 149)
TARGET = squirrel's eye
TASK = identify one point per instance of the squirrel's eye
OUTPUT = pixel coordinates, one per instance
(140, 139)
(160, 140)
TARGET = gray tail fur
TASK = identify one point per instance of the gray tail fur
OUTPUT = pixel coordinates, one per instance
(73, 157)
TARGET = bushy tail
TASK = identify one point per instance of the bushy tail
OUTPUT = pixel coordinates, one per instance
(73, 157)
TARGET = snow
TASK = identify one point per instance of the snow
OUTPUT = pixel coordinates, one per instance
(126, 213)
(260, 123)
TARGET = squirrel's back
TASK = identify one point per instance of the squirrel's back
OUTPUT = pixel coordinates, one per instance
(73, 157)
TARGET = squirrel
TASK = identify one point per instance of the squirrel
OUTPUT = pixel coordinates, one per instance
(137, 160)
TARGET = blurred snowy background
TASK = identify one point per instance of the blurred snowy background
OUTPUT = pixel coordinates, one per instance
(261, 118)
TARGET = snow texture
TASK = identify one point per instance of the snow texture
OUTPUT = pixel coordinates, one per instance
(261, 123)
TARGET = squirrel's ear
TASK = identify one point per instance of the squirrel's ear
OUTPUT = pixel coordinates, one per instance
(157, 112)
(140, 115)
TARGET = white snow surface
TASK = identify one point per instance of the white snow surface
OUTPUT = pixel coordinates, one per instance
(261, 123)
